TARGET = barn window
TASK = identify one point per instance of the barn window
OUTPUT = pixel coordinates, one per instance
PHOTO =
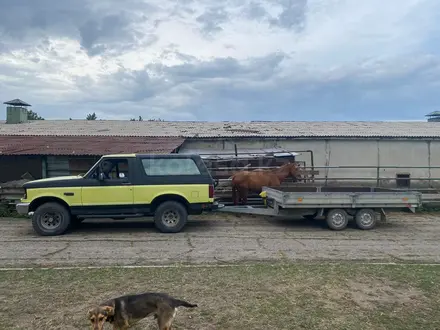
(403, 180)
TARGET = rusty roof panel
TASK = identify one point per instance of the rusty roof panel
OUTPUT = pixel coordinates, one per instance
(86, 145)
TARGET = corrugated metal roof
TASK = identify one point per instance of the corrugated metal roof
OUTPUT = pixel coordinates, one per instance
(195, 129)
(86, 145)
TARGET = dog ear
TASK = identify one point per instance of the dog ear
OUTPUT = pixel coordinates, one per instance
(110, 310)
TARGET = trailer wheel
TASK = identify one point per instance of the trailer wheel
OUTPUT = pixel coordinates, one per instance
(337, 219)
(365, 219)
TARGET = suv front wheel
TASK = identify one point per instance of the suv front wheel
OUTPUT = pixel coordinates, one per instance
(51, 219)
(170, 217)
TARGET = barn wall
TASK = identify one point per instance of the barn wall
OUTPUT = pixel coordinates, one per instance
(69, 165)
(339, 152)
(13, 167)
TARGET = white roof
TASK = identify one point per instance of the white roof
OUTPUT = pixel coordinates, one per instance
(194, 129)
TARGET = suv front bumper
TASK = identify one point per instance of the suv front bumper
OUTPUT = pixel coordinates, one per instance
(22, 208)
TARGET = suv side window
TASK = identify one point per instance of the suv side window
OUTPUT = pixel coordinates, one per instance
(170, 166)
(113, 169)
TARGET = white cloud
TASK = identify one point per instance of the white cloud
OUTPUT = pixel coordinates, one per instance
(181, 59)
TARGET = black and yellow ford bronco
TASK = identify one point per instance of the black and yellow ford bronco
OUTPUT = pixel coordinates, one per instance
(168, 187)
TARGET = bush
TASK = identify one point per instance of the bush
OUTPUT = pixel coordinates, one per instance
(8, 211)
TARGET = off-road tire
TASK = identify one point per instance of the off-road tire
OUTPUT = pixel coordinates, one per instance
(39, 220)
(166, 212)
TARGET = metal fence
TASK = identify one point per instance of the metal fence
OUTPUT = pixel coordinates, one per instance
(386, 175)
(224, 165)
(382, 174)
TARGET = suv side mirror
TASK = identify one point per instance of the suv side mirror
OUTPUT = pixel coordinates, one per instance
(101, 176)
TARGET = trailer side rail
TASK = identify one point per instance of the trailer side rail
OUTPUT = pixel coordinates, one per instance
(407, 199)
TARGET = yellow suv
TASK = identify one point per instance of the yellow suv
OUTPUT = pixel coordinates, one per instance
(168, 187)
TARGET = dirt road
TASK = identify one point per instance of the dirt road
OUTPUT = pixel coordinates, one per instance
(216, 239)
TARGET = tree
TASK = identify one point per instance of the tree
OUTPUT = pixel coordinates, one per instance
(33, 116)
(91, 116)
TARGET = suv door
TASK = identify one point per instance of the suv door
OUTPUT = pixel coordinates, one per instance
(109, 188)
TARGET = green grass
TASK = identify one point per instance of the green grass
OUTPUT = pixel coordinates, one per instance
(261, 296)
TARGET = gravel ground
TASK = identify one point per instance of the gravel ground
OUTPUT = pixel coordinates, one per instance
(221, 238)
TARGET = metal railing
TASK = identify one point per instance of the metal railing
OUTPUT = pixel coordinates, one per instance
(379, 177)
(324, 173)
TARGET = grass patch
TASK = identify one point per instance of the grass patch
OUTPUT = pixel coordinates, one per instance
(261, 296)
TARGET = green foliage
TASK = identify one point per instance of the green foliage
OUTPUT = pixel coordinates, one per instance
(34, 116)
(91, 116)
(8, 211)
(141, 119)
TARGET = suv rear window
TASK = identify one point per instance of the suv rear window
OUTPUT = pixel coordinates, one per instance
(170, 166)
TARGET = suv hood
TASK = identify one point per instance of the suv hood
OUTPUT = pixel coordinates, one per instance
(60, 181)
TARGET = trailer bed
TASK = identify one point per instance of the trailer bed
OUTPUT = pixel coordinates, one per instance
(342, 199)
(366, 205)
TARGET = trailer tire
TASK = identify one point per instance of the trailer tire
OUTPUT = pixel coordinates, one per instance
(337, 219)
(365, 219)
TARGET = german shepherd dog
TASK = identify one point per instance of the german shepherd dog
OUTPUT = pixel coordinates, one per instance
(124, 311)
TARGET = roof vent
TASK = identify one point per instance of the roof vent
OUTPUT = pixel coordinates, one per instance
(16, 111)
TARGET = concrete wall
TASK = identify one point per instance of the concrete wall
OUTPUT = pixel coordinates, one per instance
(339, 152)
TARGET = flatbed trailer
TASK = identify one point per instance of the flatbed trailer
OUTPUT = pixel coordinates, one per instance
(338, 205)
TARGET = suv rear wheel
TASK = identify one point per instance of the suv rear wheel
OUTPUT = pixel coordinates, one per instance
(170, 217)
(51, 219)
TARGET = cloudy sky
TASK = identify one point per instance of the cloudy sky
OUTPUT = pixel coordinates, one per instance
(222, 60)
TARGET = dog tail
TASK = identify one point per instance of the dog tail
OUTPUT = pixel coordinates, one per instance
(178, 302)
